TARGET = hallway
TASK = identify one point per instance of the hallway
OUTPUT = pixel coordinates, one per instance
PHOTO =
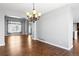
(24, 46)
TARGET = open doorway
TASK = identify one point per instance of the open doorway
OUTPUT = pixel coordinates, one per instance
(78, 30)
(75, 31)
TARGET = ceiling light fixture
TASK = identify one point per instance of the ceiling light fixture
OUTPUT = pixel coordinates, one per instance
(34, 15)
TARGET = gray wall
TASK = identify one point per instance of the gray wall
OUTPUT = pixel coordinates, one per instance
(2, 41)
(56, 27)
(75, 12)
(26, 28)
(74, 26)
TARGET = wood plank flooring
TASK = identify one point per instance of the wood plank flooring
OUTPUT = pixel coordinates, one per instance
(25, 46)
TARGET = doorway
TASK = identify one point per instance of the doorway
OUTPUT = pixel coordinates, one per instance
(75, 31)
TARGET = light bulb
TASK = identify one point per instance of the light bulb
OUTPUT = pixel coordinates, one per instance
(28, 13)
(34, 12)
(36, 16)
(39, 14)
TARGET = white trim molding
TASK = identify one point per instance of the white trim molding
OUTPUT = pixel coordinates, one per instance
(55, 45)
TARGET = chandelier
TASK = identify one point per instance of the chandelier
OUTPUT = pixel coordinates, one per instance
(34, 15)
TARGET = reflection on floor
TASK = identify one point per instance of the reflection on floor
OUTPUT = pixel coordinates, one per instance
(76, 46)
(25, 46)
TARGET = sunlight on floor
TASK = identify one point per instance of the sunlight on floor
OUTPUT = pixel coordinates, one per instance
(15, 44)
(29, 41)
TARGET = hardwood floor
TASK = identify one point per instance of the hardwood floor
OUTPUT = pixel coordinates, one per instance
(25, 46)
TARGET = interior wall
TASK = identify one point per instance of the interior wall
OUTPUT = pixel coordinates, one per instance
(2, 41)
(56, 28)
(75, 12)
(34, 30)
(74, 27)
(26, 27)
(4, 12)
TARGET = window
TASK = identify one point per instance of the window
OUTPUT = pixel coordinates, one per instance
(14, 27)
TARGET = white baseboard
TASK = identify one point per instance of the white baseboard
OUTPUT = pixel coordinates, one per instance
(55, 45)
(34, 38)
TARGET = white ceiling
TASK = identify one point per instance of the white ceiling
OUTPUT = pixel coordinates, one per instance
(19, 9)
(24, 7)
